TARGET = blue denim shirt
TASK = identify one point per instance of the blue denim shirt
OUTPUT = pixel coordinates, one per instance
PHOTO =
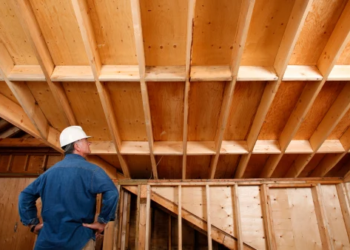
(68, 194)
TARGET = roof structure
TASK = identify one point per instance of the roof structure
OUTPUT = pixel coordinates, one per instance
(183, 88)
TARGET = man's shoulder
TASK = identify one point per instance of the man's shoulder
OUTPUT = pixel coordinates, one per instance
(75, 163)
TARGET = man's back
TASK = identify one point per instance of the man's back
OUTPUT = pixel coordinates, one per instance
(68, 193)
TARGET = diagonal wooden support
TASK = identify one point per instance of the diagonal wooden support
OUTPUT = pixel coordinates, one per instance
(296, 21)
(31, 28)
(217, 234)
(245, 17)
(189, 43)
(84, 22)
(136, 18)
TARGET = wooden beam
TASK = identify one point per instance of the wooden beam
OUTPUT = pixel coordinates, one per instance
(237, 217)
(335, 45)
(218, 235)
(322, 220)
(9, 132)
(136, 17)
(15, 114)
(31, 28)
(189, 42)
(296, 22)
(179, 217)
(336, 112)
(327, 163)
(272, 182)
(21, 142)
(344, 204)
(85, 26)
(245, 16)
(207, 195)
(267, 217)
(23, 95)
(148, 218)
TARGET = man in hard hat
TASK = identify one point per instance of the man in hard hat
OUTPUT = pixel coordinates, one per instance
(68, 194)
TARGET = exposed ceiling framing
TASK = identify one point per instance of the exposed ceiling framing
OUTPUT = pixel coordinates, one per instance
(184, 88)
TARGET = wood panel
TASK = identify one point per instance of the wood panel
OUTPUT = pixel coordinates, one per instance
(169, 167)
(112, 24)
(312, 165)
(44, 98)
(139, 167)
(266, 30)
(344, 58)
(164, 31)
(255, 165)
(335, 217)
(4, 90)
(282, 106)
(318, 27)
(215, 26)
(61, 32)
(21, 238)
(251, 217)
(342, 126)
(13, 37)
(113, 160)
(127, 104)
(246, 99)
(318, 110)
(226, 167)
(294, 219)
(167, 105)
(87, 109)
(198, 167)
(283, 166)
(205, 101)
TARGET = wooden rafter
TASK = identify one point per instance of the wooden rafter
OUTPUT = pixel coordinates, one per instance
(291, 34)
(245, 16)
(136, 17)
(335, 46)
(33, 32)
(87, 34)
(189, 41)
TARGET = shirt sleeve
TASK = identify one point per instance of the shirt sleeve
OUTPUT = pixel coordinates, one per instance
(101, 183)
(27, 203)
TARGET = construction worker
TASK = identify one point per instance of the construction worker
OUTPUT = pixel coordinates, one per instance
(68, 195)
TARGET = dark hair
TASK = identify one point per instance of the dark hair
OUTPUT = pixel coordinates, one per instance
(68, 149)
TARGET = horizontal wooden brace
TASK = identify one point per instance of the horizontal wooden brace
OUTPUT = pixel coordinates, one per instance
(130, 73)
(208, 147)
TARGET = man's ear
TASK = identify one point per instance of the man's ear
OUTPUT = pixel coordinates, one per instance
(77, 146)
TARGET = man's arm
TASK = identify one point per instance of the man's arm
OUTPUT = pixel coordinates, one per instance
(101, 183)
(27, 204)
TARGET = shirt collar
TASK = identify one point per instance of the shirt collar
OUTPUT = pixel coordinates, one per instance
(74, 156)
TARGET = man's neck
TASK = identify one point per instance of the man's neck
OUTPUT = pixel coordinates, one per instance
(80, 153)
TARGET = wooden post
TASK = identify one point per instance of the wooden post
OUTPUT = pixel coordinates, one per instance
(126, 221)
(169, 232)
(344, 204)
(210, 244)
(148, 217)
(179, 218)
(237, 218)
(322, 220)
(141, 239)
(267, 217)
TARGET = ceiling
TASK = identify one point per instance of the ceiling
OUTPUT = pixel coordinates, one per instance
(183, 88)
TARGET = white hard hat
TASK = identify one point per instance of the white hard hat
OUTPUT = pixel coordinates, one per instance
(72, 134)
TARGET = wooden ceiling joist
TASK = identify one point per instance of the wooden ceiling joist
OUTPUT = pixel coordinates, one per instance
(81, 13)
(245, 15)
(136, 18)
(188, 71)
(291, 34)
(31, 28)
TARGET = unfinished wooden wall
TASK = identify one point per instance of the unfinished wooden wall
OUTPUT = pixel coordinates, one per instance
(267, 216)
(13, 235)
